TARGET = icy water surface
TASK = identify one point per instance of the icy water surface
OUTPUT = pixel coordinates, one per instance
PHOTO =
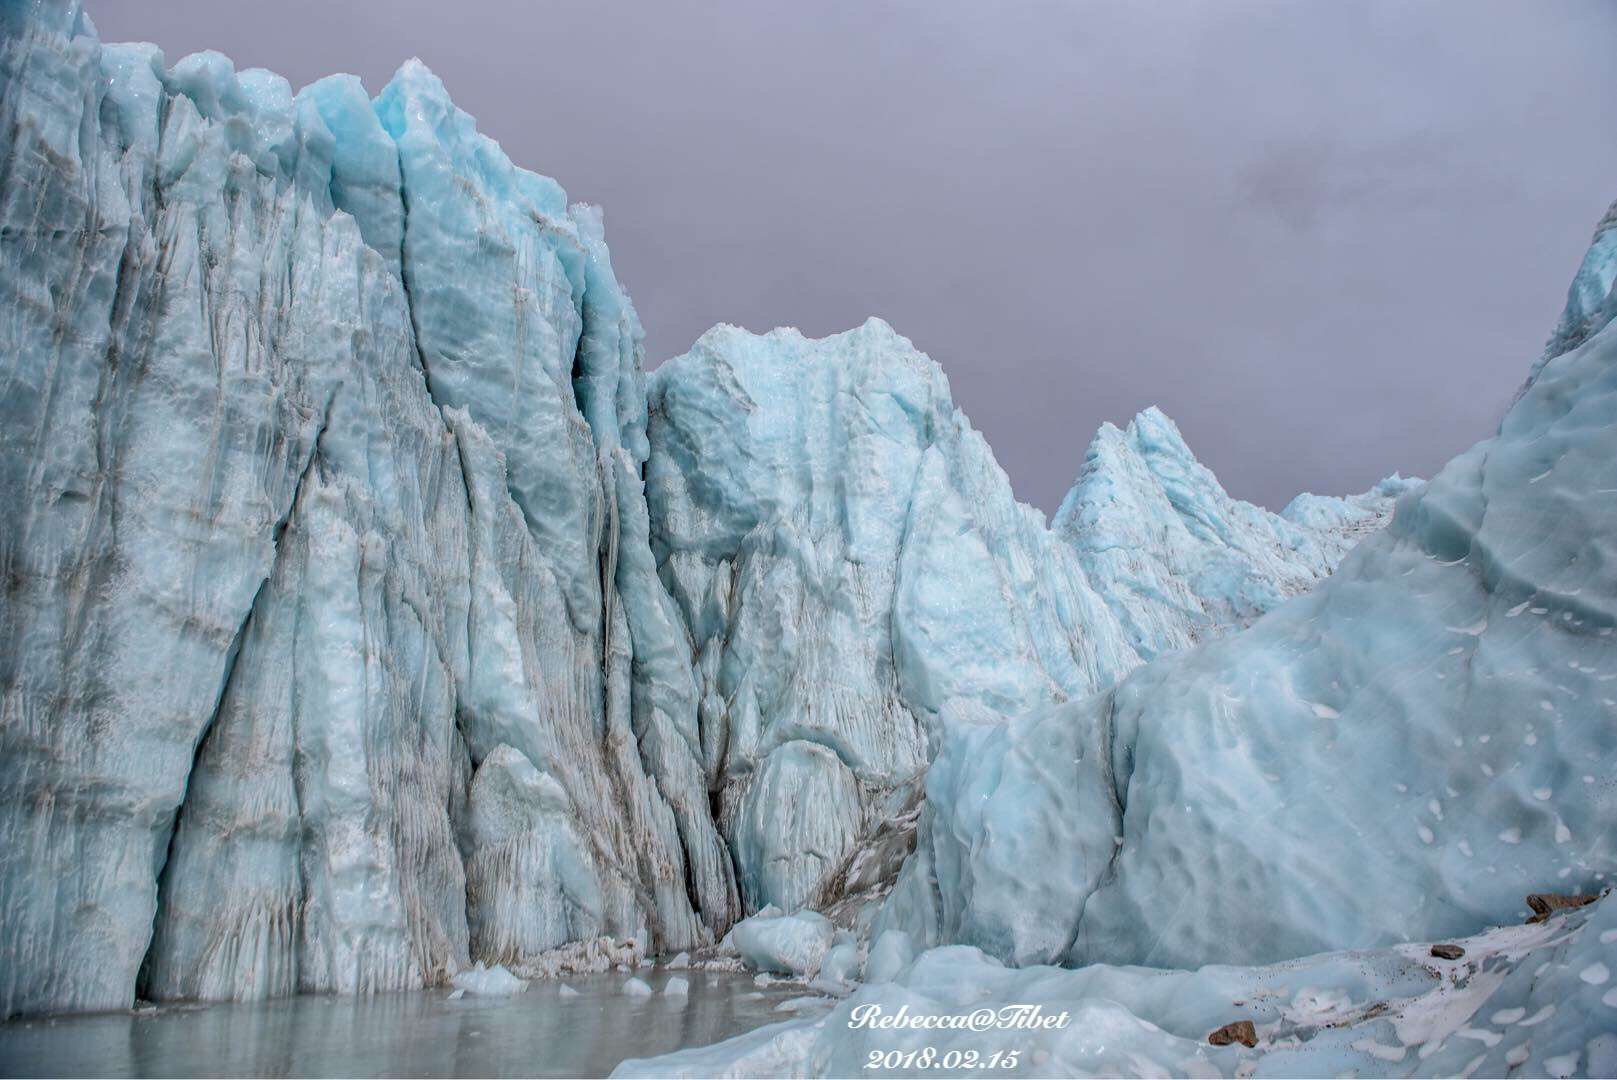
(422, 1033)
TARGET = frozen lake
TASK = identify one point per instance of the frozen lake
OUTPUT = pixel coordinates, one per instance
(419, 1033)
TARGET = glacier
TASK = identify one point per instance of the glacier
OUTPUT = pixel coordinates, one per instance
(362, 622)
(333, 657)
(373, 621)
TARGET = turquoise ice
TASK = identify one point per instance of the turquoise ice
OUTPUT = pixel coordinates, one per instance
(1178, 560)
(1401, 754)
(372, 620)
(333, 654)
(1390, 761)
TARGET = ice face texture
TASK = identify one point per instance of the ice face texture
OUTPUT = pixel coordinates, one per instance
(361, 624)
(1403, 752)
(1591, 302)
(1180, 561)
(847, 556)
(332, 651)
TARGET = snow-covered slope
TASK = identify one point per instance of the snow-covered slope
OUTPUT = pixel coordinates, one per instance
(1180, 561)
(321, 442)
(1402, 753)
(847, 556)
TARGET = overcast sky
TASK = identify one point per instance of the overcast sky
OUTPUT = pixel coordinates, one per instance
(1327, 240)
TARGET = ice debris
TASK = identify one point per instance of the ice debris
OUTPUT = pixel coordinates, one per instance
(491, 981)
(785, 944)
(1516, 1002)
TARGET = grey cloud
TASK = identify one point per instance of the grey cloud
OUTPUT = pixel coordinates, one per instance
(1327, 239)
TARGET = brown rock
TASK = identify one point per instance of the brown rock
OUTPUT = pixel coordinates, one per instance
(1447, 952)
(1240, 1031)
(1545, 904)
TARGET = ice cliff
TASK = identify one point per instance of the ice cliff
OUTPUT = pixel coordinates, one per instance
(847, 557)
(336, 652)
(332, 653)
(1180, 561)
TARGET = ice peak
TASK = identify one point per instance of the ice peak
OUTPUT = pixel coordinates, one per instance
(208, 78)
(1179, 559)
(877, 326)
(1150, 438)
(417, 78)
(1591, 300)
(870, 346)
(415, 93)
(1152, 416)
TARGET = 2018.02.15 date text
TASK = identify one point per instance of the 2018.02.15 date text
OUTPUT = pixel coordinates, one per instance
(930, 1058)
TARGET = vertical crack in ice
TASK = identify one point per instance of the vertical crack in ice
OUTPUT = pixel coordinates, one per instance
(232, 655)
(609, 570)
(405, 273)
(1103, 750)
